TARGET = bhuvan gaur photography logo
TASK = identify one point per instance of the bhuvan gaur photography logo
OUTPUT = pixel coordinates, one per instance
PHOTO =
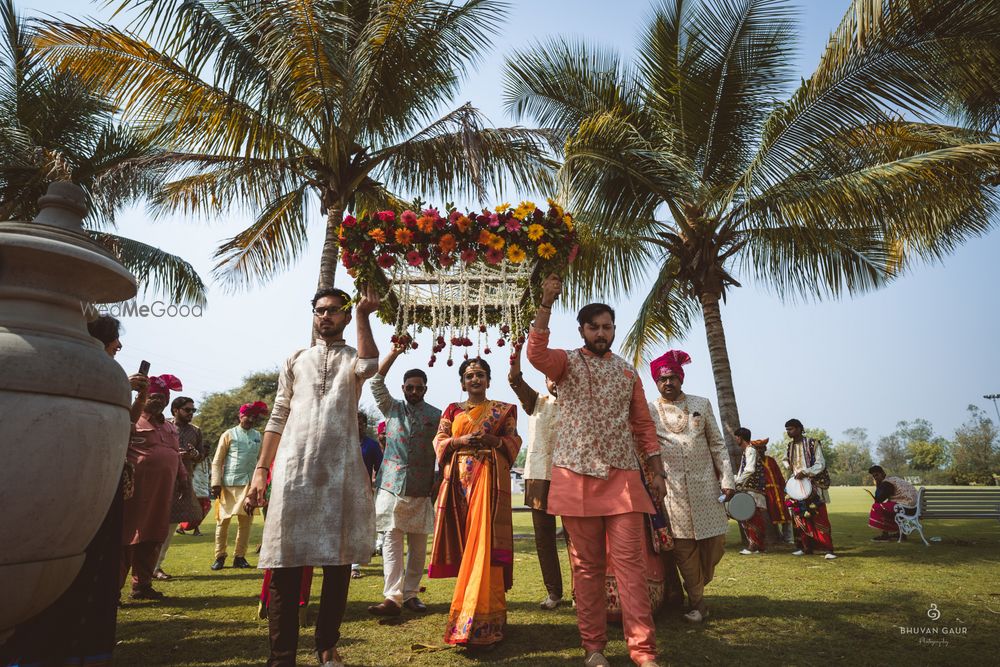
(133, 308)
(936, 634)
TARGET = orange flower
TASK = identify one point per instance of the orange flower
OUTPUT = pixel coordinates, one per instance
(463, 223)
(515, 253)
(484, 236)
(535, 231)
(495, 242)
(568, 219)
(403, 236)
(546, 251)
(447, 243)
(426, 224)
(378, 235)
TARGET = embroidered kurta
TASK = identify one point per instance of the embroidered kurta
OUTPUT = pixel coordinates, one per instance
(595, 392)
(897, 490)
(542, 436)
(798, 458)
(185, 506)
(321, 510)
(697, 466)
(751, 477)
(155, 452)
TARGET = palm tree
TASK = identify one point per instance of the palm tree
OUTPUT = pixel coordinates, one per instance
(694, 160)
(281, 103)
(52, 127)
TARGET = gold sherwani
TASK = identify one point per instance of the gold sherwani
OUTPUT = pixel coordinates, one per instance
(320, 511)
(696, 463)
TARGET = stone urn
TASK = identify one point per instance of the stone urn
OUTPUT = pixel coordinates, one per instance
(64, 403)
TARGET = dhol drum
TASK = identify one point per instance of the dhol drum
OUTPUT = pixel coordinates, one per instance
(798, 489)
(741, 506)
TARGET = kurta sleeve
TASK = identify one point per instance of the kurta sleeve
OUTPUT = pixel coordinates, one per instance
(365, 368)
(717, 445)
(282, 400)
(550, 362)
(219, 462)
(182, 473)
(749, 463)
(641, 420)
(819, 465)
(510, 441)
(383, 399)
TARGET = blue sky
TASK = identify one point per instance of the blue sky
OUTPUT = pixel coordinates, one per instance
(925, 347)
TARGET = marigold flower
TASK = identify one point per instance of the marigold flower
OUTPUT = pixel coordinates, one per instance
(404, 236)
(546, 251)
(425, 223)
(463, 223)
(568, 219)
(535, 231)
(447, 243)
(515, 253)
(494, 256)
(378, 235)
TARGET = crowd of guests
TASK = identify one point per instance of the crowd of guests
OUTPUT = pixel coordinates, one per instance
(640, 487)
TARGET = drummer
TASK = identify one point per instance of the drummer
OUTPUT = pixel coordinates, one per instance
(751, 479)
(804, 459)
(698, 473)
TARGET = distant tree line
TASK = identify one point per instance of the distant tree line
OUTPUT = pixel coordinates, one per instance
(913, 450)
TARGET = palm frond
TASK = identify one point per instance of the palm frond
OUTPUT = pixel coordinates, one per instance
(665, 314)
(154, 269)
(268, 246)
(611, 261)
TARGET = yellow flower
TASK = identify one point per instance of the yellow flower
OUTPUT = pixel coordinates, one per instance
(496, 242)
(568, 219)
(378, 235)
(535, 231)
(552, 204)
(524, 210)
(403, 236)
(515, 253)
(502, 208)
(546, 251)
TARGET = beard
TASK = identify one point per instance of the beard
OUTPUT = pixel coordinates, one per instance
(330, 330)
(600, 347)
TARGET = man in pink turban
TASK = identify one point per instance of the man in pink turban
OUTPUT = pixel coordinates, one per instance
(154, 450)
(232, 472)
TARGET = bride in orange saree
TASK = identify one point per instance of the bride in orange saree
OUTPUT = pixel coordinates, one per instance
(476, 445)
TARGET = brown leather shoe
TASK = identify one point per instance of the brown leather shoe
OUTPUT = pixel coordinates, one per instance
(385, 608)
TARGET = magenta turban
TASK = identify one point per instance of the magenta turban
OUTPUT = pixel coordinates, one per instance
(672, 362)
(162, 384)
(255, 409)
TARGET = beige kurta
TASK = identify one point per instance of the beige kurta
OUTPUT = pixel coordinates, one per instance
(795, 461)
(542, 434)
(321, 510)
(749, 463)
(697, 466)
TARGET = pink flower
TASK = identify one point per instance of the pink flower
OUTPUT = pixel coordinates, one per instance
(494, 220)
(408, 217)
(494, 256)
(386, 216)
(513, 225)
(469, 255)
(350, 221)
(413, 258)
(431, 212)
(573, 252)
(454, 215)
(386, 261)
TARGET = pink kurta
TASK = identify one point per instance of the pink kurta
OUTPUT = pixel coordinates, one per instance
(154, 450)
(573, 494)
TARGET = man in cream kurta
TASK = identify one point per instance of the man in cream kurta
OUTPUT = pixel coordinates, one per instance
(320, 511)
(697, 473)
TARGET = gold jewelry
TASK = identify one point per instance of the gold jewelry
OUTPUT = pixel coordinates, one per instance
(675, 423)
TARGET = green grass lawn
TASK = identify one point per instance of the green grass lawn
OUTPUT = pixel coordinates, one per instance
(771, 609)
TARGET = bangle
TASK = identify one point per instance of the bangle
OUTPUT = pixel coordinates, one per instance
(542, 306)
(261, 468)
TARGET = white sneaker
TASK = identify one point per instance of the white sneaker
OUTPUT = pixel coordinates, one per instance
(693, 616)
(747, 552)
(550, 603)
(830, 556)
(596, 659)
(800, 552)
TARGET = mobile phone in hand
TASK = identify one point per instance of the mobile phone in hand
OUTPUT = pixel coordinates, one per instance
(143, 367)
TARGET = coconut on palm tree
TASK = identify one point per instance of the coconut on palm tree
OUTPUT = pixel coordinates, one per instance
(701, 160)
(280, 105)
(52, 127)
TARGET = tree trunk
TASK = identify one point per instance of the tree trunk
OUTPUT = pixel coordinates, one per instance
(331, 247)
(728, 412)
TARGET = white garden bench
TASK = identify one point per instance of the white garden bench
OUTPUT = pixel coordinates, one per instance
(952, 503)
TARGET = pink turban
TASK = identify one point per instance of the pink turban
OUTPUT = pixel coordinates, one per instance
(162, 384)
(380, 429)
(255, 409)
(671, 362)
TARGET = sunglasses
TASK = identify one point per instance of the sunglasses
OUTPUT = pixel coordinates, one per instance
(329, 310)
(191, 410)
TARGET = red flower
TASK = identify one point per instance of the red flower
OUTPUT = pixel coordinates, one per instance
(386, 216)
(494, 255)
(386, 261)
(350, 221)
(468, 255)
(408, 217)
(413, 258)
(446, 259)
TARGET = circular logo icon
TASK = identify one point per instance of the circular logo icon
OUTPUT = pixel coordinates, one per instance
(933, 613)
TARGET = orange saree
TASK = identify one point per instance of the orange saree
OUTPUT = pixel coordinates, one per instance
(473, 533)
